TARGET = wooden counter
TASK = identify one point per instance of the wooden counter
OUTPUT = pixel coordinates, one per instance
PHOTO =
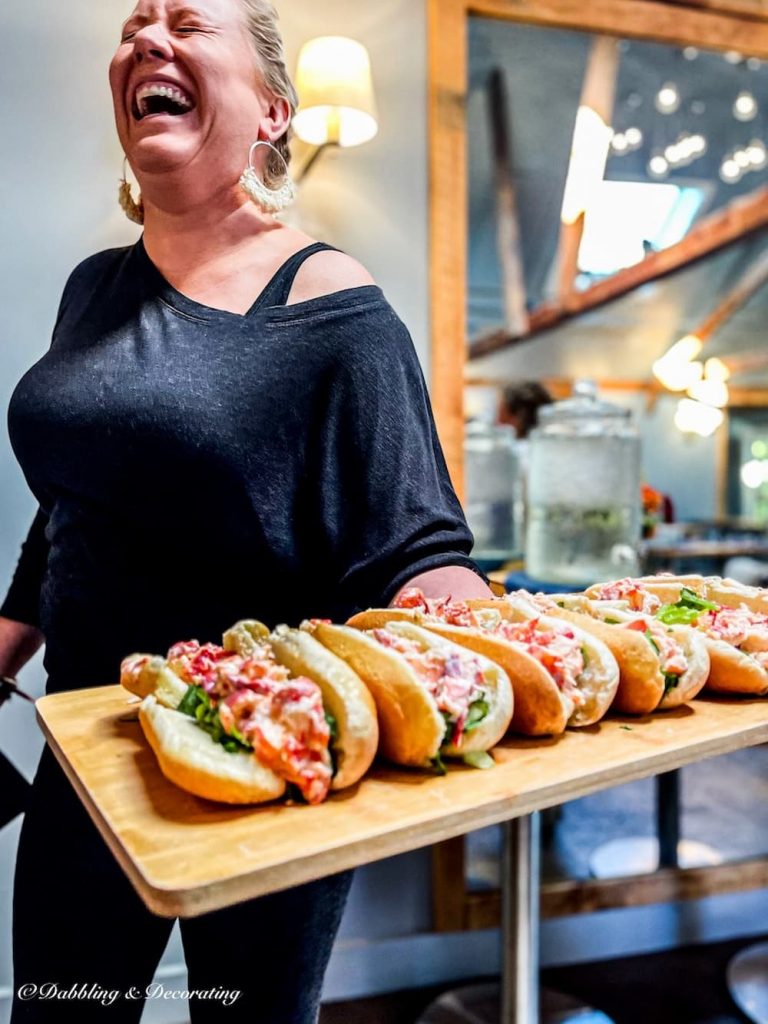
(186, 856)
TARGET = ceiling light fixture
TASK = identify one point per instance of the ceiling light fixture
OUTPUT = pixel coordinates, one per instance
(757, 153)
(710, 392)
(741, 158)
(658, 166)
(678, 369)
(745, 106)
(626, 142)
(730, 171)
(667, 99)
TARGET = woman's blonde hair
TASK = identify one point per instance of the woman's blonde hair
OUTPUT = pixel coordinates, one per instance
(261, 21)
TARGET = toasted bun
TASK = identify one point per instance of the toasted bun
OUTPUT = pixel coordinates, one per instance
(733, 671)
(731, 593)
(145, 674)
(496, 684)
(598, 683)
(192, 760)
(641, 684)
(721, 590)
(245, 637)
(412, 729)
(540, 707)
(345, 696)
(666, 587)
(694, 679)
(376, 618)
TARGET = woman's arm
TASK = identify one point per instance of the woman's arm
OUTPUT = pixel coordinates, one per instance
(20, 636)
(449, 581)
(18, 643)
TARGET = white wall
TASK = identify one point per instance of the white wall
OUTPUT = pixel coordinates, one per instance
(680, 465)
(59, 169)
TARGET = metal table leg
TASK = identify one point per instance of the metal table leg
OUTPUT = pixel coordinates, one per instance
(668, 818)
(516, 1000)
(520, 881)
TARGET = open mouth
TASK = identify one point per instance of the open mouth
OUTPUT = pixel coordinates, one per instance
(154, 98)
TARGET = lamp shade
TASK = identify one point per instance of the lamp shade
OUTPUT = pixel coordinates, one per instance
(336, 102)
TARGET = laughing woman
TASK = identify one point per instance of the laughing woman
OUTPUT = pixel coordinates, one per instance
(230, 421)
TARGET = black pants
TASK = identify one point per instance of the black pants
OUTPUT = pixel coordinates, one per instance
(86, 948)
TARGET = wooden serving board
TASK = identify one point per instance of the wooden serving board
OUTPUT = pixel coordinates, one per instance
(186, 856)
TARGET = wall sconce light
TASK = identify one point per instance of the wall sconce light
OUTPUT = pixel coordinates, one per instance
(694, 417)
(336, 101)
(678, 368)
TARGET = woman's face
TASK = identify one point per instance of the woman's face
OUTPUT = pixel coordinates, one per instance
(187, 93)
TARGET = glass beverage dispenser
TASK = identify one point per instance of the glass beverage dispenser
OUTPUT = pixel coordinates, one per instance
(583, 492)
(493, 504)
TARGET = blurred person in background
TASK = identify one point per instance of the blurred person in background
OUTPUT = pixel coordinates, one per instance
(520, 404)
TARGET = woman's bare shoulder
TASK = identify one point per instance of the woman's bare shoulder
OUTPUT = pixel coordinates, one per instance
(326, 272)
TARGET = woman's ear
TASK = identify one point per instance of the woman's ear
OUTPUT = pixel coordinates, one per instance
(276, 119)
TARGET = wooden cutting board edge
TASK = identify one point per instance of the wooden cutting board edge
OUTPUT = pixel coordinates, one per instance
(178, 901)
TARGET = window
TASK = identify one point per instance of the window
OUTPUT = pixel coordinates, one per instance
(627, 219)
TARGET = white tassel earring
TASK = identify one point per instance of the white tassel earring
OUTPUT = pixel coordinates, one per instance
(133, 210)
(270, 200)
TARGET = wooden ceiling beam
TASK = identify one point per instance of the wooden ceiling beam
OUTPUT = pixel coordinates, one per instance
(754, 9)
(715, 25)
(561, 387)
(507, 223)
(722, 228)
(751, 281)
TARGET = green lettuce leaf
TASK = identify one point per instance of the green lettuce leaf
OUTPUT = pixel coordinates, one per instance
(479, 759)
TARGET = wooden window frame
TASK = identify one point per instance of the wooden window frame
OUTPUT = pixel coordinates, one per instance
(740, 25)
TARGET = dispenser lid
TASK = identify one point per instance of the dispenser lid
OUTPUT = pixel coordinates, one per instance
(582, 406)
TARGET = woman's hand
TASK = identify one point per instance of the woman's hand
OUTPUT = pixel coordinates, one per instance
(18, 643)
(449, 581)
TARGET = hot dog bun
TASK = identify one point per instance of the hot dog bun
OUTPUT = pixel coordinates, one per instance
(732, 670)
(192, 760)
(412, 729)
(642, 686)
(345, 695)
(721, 590)
(145, 674)
(190, 757)
(187, 755)
(540, 707)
